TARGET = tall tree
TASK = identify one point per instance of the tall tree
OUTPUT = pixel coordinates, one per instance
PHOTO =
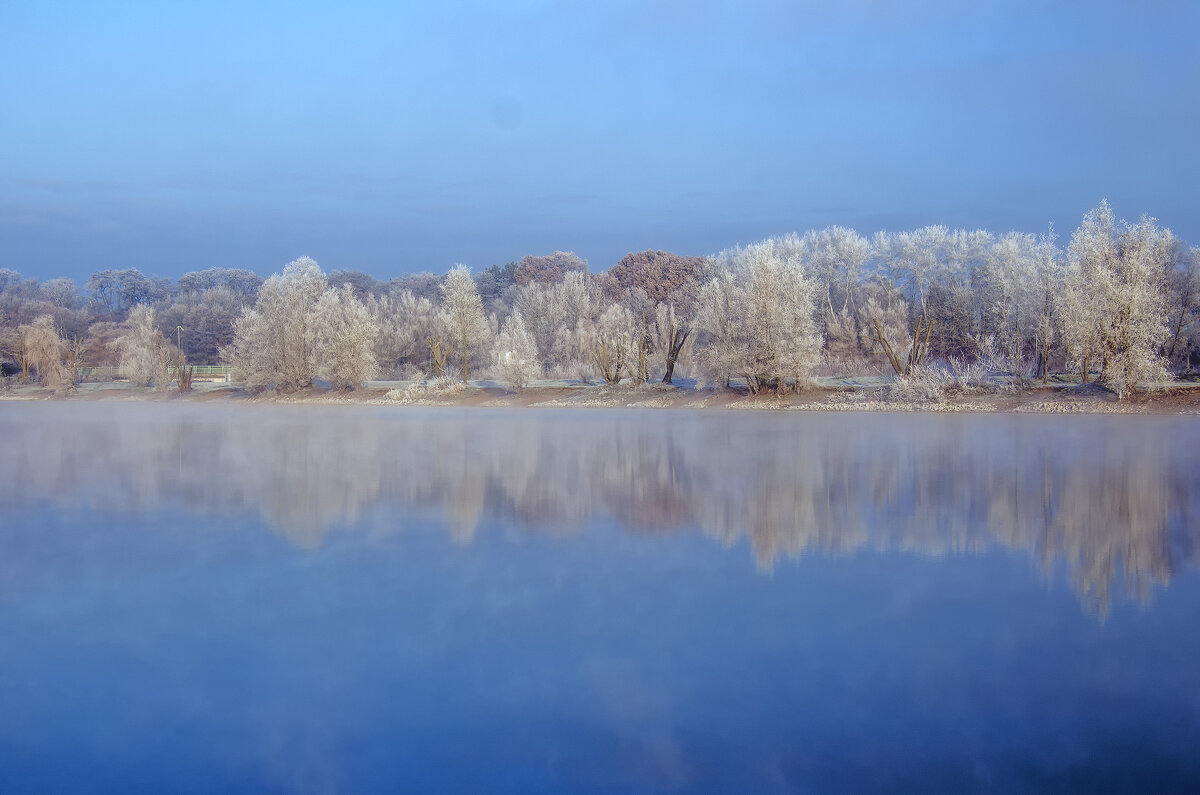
(660, 273)
(244, 283)
(1047, 289)
(517, 353)
(759, 318)
(272, 342)
(1183, 285)
(363, 284)
(146, 357)
(42, 349)
(206, 319)
(463, 313)
(836, 258)
(495, 285)
(561, 317)
(1008, 293)
(1117, 297)
(403, 323)
(115, 292)
(343, 339)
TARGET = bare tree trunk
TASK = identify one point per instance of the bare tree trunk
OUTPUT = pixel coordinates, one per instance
(23, 358)
(643, 360)
(465, 359)
(609, 362)
(437, 357)
(887, 348)
(919, 349)
(1178, 331)
(678, 338)
(916, 353)
(75, 357)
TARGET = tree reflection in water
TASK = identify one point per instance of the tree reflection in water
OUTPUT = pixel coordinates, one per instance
(1108, 499)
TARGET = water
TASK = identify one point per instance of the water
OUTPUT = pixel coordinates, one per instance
(203, 598)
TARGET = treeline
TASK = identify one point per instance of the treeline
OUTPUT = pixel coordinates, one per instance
(1120, 303)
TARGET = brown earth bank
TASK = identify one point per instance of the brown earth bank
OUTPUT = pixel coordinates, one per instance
(1180, 398)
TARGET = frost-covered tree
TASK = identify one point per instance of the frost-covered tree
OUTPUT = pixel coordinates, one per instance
(1047, 290)
(562, 316)
(784, 340)
(1184, 306)
(364, 285)
(242, 283)
(404, 322)
(1009, 298)
(957, 305)
(549, 268)
(1117, 297)
(671, 332)
(913, 259)
(99, 349)
(343, 339)
(937, 271)
(1080, 321)
(43, 350)
(497, 287)
(462, 313)
(207, 319)
(61, 292)
(889, 332)
(759, 319)
(783, 300)
(272, 344)
(545, 317)
(145, 355)
(836, 258)
(614, 342)
(423, 285)
(517, 353)
(116, 292)
(721, 309)
(661, 274)
(641, 309)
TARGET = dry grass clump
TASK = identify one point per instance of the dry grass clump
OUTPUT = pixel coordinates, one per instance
(934, 383)
(923, 384)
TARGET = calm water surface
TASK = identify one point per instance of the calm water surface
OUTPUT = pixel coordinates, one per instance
(203, 598)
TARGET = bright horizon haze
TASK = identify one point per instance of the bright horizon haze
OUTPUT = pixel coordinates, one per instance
(395, 138)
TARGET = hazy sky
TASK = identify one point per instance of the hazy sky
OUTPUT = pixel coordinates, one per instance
(393, 138)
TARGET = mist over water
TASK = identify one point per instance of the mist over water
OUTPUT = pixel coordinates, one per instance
(1113, 500)
(356, 598)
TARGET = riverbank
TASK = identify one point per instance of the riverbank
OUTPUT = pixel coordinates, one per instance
(841, 395)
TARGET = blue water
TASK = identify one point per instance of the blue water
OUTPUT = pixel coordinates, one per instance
(203, 598)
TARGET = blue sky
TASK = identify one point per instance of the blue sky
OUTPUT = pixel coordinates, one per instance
(394, 138)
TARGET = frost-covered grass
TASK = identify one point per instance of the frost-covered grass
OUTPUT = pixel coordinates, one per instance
(625, 394)
(937, 388)
(434, 391)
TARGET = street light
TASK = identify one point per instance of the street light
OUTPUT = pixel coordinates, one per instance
(179, 354)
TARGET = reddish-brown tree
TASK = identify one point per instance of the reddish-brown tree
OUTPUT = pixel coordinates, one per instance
(660, 273)
(548, 269)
